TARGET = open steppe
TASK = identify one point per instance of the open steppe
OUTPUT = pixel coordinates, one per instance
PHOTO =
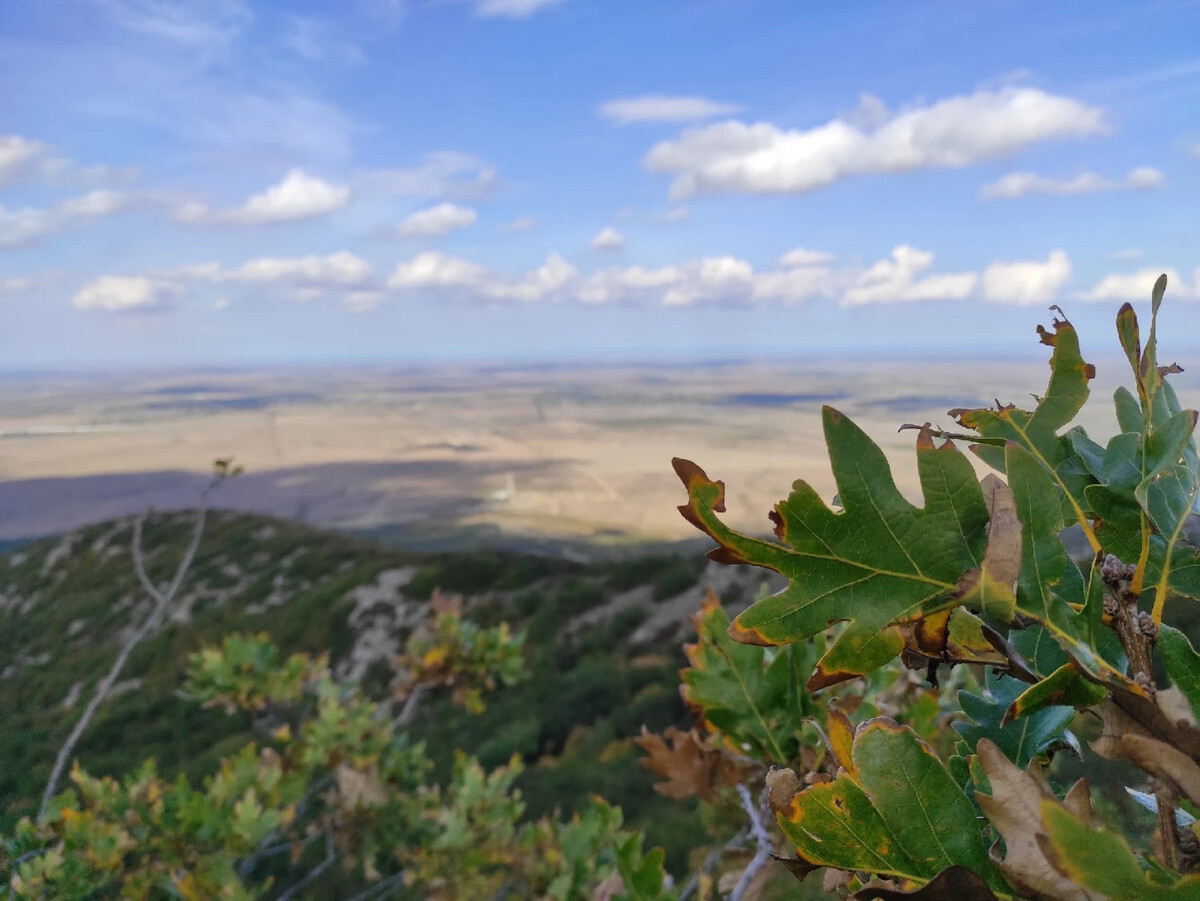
(519, 452)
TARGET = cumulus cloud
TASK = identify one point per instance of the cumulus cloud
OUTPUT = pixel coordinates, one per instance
(608, 238)
(440, 272)
(338, 269)
(119, 293)
(724, 279)
(663, 108)
(1135, 286)
(626, 284)
(29, 224)
(802, 256)
(298, 196)
(444, 173)
(959, 131)
(1017, 184)
(895, 280)
(512, 9)
(436, 221)
(1025, 282)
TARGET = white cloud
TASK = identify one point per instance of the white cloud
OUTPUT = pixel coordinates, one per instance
(959, 131)
(362, 301)
(663, 108)
(1016, 184)
(313, 39)
(797, 284)
(332, 270)
(29, 224)
(512, 9)
(802, 256)
(298, 196)
(1196, 150)
(712, 279)
(439, 271)
(14, 284)
(117, 293)
(895, 280)
(444, 173)
(608, 238)
(204, 24)
(16, 153)
(610, 285)
(435, 221)
(1025, 282)
(1129, 253)
(547, 280)
(1137, 285)
(675, 214)
(520, 224)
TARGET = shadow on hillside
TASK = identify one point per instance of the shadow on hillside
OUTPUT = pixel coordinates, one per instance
(333, 495)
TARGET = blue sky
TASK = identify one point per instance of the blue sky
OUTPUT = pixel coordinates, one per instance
(226, 182)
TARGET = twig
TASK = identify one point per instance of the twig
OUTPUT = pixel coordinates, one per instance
(410, 706)
(765, 845)
(315, 873)
(710, 863)
(379, 887)
(162, 603)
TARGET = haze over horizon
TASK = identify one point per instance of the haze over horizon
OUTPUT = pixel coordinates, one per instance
(228, 183)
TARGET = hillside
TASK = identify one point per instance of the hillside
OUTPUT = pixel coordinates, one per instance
(603, 651)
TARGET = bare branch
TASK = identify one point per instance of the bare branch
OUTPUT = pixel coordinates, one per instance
(380, 887)
(766, 846)
(152, 623)
(315, 872)
(710, 864)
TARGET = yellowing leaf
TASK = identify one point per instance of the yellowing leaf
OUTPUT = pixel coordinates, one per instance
(898, 814)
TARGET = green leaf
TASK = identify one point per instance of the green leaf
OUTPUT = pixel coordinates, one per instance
(898, 813)
(1065, 688)
(1102, 861)
(749, 697)
(1050, 581)
(1021, 740)
(1182, 663)
(878, 563)
(1037, 431)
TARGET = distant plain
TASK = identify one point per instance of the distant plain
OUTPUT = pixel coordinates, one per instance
(512, 455)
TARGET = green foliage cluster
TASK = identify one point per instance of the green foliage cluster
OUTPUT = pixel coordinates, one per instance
(978, 576)
(899, 719)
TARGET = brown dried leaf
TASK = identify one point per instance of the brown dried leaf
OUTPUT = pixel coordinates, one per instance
(782, 786)
(689, 764)
(1124, 738)
(1079, 801)
(952, 884)
(357, 789)
(1014, 808)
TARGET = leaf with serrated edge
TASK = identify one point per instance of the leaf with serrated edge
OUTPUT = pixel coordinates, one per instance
(1050, 581)
(1011, 799)
(879, 562)
(751, 702)
(1037, 432)
(1102, 861)
(900, 814)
